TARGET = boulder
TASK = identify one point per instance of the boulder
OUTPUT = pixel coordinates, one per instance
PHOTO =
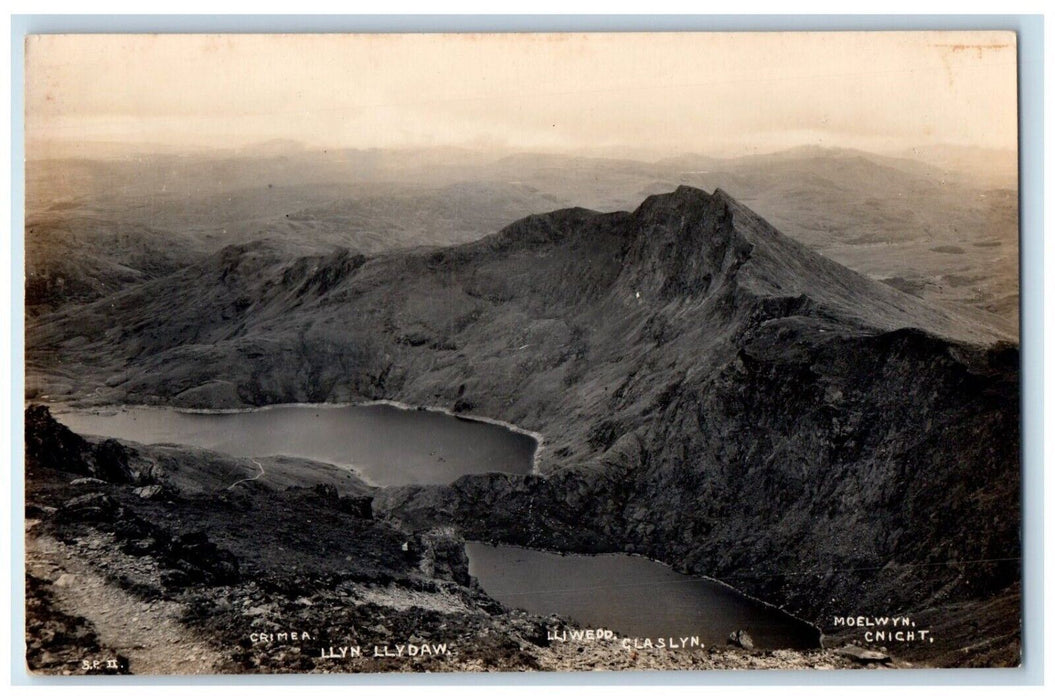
(150, 493)
(87, 481)
(740, 638)
(862, 655)
(91, 506)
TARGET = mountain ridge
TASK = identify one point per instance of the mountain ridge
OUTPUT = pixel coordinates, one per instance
(908, 226)
(626, 264)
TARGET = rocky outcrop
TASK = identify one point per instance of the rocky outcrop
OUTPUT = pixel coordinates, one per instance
(51, 445)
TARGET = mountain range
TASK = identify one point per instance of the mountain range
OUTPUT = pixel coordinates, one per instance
(95, 226)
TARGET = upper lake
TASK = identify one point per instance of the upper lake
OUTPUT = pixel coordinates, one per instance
(387, 445)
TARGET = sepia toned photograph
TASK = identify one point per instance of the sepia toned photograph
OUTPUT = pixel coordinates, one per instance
(374, 353)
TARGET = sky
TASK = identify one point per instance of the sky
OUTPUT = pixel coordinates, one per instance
(658, 94)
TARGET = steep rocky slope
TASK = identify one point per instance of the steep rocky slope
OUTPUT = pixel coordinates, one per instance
(711, 393)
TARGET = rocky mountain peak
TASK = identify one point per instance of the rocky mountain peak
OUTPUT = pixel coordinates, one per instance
(684, 242)
(685, 202)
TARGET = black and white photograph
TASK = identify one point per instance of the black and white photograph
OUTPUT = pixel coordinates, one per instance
(527, 352)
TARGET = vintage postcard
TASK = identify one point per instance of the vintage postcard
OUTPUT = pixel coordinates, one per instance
(354, 353)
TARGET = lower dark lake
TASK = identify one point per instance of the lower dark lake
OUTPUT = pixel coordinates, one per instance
(632, 596)
(386, 444)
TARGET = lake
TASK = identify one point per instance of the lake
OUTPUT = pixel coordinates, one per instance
(633, 596)
(386, 444)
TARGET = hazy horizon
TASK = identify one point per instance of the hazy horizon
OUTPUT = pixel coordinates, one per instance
(104, 150)
(641, 96)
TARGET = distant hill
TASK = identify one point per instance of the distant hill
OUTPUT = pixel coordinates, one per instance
(990, 167)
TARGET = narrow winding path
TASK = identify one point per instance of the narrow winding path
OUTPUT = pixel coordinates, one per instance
(251, 478)
(150, 634)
